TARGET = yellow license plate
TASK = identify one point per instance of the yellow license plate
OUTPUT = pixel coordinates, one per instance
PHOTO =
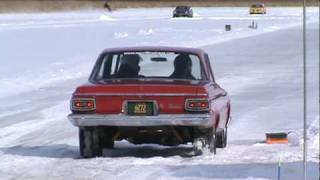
(140, 108)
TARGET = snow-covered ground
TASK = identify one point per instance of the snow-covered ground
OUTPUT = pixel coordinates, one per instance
(45, 56)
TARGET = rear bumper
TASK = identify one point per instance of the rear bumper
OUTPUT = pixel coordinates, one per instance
(182, 15)
(202, 120)
(257, 11)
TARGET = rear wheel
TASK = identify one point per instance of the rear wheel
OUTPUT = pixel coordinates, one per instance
(207, 140)
(89, 141)
(212, 141)
(221, 138)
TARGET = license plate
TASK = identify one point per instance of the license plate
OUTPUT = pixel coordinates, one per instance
(140, 108)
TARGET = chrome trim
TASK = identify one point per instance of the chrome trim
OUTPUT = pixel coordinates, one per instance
(219, 95)
(228, 122)
(203, 120)
(140, 94)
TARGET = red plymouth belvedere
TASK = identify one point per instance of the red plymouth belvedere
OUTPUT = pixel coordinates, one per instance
(160, 95)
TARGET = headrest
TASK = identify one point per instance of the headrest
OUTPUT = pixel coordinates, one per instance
(182, 60)
(131, 59)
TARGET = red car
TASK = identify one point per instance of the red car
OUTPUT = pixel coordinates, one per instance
(159, 95)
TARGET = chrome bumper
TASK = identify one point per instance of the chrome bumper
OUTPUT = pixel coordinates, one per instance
(204, 120)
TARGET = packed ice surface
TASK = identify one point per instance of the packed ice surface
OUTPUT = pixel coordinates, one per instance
(90, 32)
(45, 56)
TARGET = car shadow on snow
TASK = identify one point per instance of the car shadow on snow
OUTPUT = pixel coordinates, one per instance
(148, 151)
(68, 151)
(47, 151)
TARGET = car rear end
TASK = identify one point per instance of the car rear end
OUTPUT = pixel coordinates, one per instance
(141, 106)
(160, 98)
(257, 9)
(153, 107)
(183, 11)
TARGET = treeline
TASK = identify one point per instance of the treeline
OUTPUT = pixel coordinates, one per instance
(62, 5)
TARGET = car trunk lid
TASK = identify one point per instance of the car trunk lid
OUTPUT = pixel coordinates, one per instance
(168, 95)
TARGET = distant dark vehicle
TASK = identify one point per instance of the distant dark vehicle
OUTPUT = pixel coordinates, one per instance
(183, 11)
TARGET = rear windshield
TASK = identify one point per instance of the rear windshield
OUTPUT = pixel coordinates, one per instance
(257, 5)
(182, 7)
(167, 65)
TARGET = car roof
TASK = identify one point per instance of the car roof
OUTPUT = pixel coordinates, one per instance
(258, 4)
(155, 48)
(183, 7)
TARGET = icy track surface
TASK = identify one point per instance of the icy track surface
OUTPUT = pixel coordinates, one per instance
(45, 56)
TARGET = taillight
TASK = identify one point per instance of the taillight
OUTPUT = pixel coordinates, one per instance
(197, 105)
(83, 104)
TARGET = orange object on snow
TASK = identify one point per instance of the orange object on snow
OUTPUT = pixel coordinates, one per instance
(277, 138)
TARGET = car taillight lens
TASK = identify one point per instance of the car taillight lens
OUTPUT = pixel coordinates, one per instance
(83, 104)
(197, 105)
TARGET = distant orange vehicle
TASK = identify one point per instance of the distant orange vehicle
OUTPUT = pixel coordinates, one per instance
(159, 95)
(258, 8)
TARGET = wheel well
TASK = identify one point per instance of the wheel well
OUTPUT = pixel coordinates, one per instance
(229, 114)
(217, 118)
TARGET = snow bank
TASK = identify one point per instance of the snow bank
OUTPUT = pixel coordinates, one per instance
(106, 18)
(313, 138)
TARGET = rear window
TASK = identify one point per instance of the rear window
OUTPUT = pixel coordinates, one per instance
(182, 7)
(258, 5)
(167, 65)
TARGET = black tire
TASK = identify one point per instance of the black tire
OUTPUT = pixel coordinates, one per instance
(212, 140)
(89, 141)
(221, 138)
